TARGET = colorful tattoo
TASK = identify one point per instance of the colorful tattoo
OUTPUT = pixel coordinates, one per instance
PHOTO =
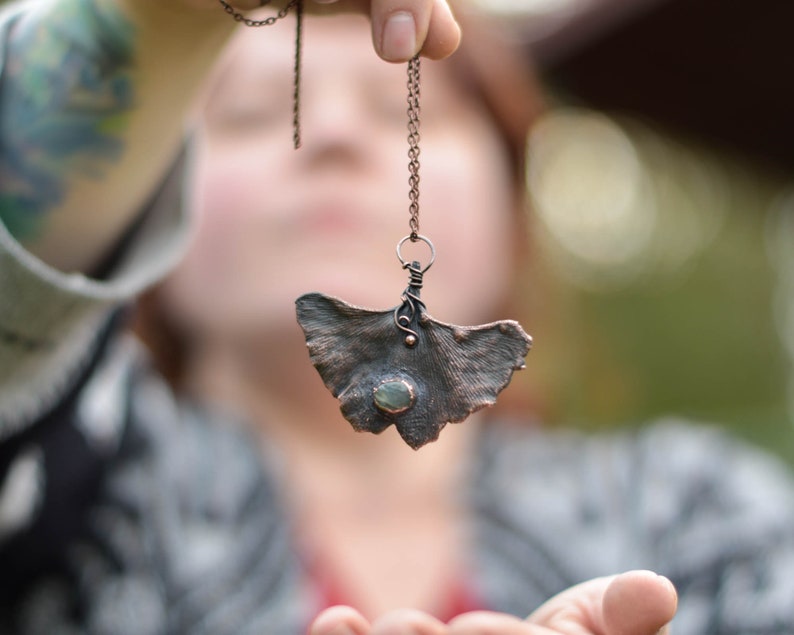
(65, 97)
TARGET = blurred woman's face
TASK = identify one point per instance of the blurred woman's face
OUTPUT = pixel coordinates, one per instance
(274, 223)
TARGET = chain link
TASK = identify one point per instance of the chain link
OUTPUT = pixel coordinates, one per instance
(269, 21)
(413, 145)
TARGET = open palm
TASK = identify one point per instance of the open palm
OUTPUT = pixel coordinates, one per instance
(632, 603)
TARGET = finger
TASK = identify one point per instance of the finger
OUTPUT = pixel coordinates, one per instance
(487, 623)
(578, 607)
(638, 603)
(632, 603)
(443, 33)
(339, 620)
(400, 29)
(407, 622)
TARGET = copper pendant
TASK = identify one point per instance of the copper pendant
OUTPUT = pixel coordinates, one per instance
(403, 367)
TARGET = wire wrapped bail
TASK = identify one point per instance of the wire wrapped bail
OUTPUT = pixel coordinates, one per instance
(406, 313)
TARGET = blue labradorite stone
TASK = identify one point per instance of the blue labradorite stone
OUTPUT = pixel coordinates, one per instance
(394, 396)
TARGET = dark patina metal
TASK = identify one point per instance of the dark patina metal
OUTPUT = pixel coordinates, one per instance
(450, 371)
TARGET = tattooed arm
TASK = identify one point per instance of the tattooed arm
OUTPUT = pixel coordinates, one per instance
(91, 108)
(92, 103)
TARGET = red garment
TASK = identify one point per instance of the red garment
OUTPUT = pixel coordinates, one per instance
(460, 597)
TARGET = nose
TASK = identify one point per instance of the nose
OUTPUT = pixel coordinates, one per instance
(333, 121)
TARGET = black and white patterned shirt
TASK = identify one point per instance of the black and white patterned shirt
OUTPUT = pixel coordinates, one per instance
(125, 511)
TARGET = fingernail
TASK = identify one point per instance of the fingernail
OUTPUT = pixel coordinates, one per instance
(399, 37)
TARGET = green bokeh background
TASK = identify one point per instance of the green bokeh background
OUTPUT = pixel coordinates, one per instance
(701, 343)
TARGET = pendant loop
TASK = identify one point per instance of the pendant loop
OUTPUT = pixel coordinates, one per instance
(413, 239)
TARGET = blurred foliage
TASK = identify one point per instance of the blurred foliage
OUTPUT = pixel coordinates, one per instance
(699, 341)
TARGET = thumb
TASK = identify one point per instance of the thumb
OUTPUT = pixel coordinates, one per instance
(638, 603)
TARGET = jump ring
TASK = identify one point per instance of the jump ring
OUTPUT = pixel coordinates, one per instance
(414, 239)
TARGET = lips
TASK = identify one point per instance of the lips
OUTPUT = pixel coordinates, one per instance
(334, 218)
(316, 211)
(329, 211)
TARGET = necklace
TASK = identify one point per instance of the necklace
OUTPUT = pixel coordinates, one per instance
(401, 366)
(296, 75)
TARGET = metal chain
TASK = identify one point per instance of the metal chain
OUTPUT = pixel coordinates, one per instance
(269, 21)
(414, 68)
(296, 74)
(413, 146)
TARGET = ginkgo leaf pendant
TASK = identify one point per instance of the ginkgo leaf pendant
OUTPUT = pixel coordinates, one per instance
(403, 367)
